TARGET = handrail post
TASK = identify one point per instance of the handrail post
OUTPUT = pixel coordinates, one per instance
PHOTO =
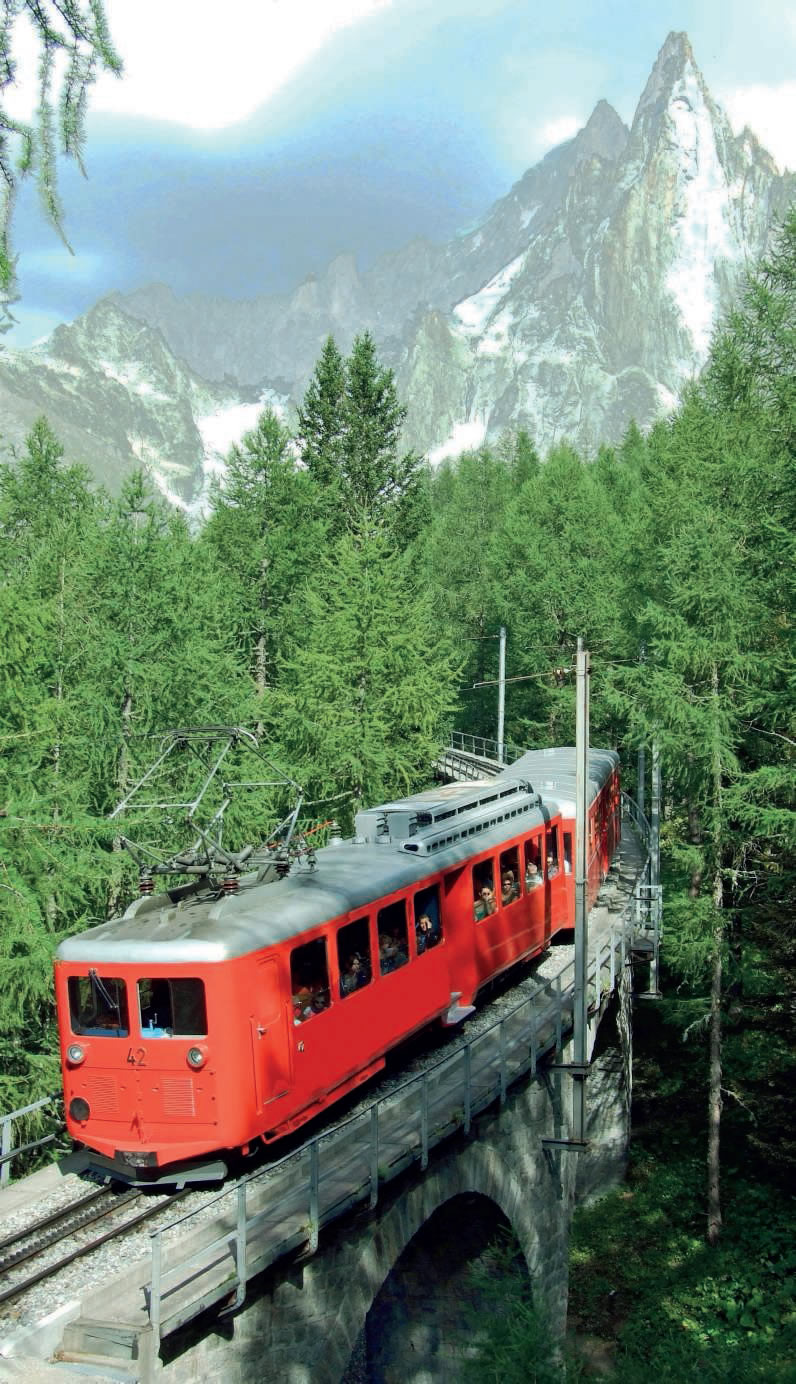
(154, 1291)
(240, 1247)
(468, 1096)
(374, 1154)
(559, 1005)
(314, 1181)
(5, 1149)
(533, 1036)
(424, 1122)
(502, 1069)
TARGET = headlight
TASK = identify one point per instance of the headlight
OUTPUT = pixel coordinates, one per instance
(75, 1053)
(79, 1109)
(196, 1058)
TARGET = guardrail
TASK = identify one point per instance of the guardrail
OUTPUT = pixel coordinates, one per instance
(7, 1123)
(419, 1114)
(483, 748)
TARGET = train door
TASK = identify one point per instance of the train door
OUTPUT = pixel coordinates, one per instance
(270, 1035)
(535, 889)
(555, 893)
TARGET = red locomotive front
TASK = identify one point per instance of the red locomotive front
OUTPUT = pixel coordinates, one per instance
(144, 1051)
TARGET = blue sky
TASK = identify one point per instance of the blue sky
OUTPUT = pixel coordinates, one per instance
(239, 159)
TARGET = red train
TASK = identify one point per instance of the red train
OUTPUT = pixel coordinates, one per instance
(200, 1022)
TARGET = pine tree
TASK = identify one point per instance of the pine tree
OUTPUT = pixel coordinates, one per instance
(265, 532)
(364, 699)
(349, 435)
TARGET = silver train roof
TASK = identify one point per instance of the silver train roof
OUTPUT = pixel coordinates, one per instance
(348, 876)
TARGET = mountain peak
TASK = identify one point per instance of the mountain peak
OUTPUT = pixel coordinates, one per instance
(675, 58)
(604, 133)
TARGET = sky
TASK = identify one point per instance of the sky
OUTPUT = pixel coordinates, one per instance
(249, 143)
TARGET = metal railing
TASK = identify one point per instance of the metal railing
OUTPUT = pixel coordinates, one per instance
(480, 747)
(7, 1123)
(418, 1115)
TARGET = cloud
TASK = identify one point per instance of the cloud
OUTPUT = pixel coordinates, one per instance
(185, 63)
(557, 131)
(770, 111)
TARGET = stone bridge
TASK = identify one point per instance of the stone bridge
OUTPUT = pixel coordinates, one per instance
(389, 1294)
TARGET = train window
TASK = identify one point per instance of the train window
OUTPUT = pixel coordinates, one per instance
(169, 1007)
(509, 876)
(534, 872)
(353, 956)
(551, 853)
(309, 980)
(393, 938)
(567, 852)
(428, 927)
(98, 1006)
(483, 890)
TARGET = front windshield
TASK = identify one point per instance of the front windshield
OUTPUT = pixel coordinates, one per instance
(98, 1006)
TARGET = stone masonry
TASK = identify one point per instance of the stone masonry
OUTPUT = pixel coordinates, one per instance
(301, 1322)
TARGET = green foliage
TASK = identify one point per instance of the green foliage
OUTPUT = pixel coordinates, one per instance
(511, 1340)
(349, 434)
(80, 32)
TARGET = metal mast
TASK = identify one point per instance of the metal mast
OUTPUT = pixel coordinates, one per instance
(501, 693)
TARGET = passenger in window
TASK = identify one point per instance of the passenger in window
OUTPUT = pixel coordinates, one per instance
(424, 933)
(302, 1005)
(552, 868)
(508, 888)
(533, 875)
(487, 897)
(354, 977)
(391, 953)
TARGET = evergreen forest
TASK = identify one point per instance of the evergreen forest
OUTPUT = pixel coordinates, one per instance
(343, 600)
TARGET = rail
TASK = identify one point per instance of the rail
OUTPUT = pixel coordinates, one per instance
(482, 748)
(348, 1164)
(7, 1124)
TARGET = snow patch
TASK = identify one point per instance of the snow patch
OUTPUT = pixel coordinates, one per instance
(464, 437)
(528, 214)
(131, 379)
(495, 341)
(474, 313)
(225, 425)
(702, 233)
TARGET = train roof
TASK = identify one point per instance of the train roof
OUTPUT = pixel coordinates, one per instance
(456, 822)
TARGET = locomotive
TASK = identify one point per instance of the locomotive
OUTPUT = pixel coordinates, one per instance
(203, 1023)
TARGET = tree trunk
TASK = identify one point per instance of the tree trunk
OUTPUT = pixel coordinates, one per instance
(714, 1082)
(714, 1090)
(261, 647)
(122, 780)
(695, 837)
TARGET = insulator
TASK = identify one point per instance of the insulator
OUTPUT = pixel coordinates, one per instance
(230, 884)
(145, 883)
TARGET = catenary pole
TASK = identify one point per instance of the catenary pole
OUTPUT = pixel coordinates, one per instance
(501, 692)
(642, 758)
(580, 1016)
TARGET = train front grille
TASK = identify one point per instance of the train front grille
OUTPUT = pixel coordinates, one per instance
(178, 1097)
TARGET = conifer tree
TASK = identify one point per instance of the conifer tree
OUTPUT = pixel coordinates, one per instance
(365, 697)
(265, 532)
(349, 436)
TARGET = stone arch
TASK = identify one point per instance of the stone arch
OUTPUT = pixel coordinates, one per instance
(528, 1199)
(421, 1321)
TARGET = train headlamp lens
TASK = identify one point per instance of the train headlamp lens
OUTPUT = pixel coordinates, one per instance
(75, 1053)
(79, 1109)
(196, 1057)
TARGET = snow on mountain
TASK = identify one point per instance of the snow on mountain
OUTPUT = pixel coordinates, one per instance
(583, 298)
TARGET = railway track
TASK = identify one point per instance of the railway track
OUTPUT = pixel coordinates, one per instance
(35, 1240)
